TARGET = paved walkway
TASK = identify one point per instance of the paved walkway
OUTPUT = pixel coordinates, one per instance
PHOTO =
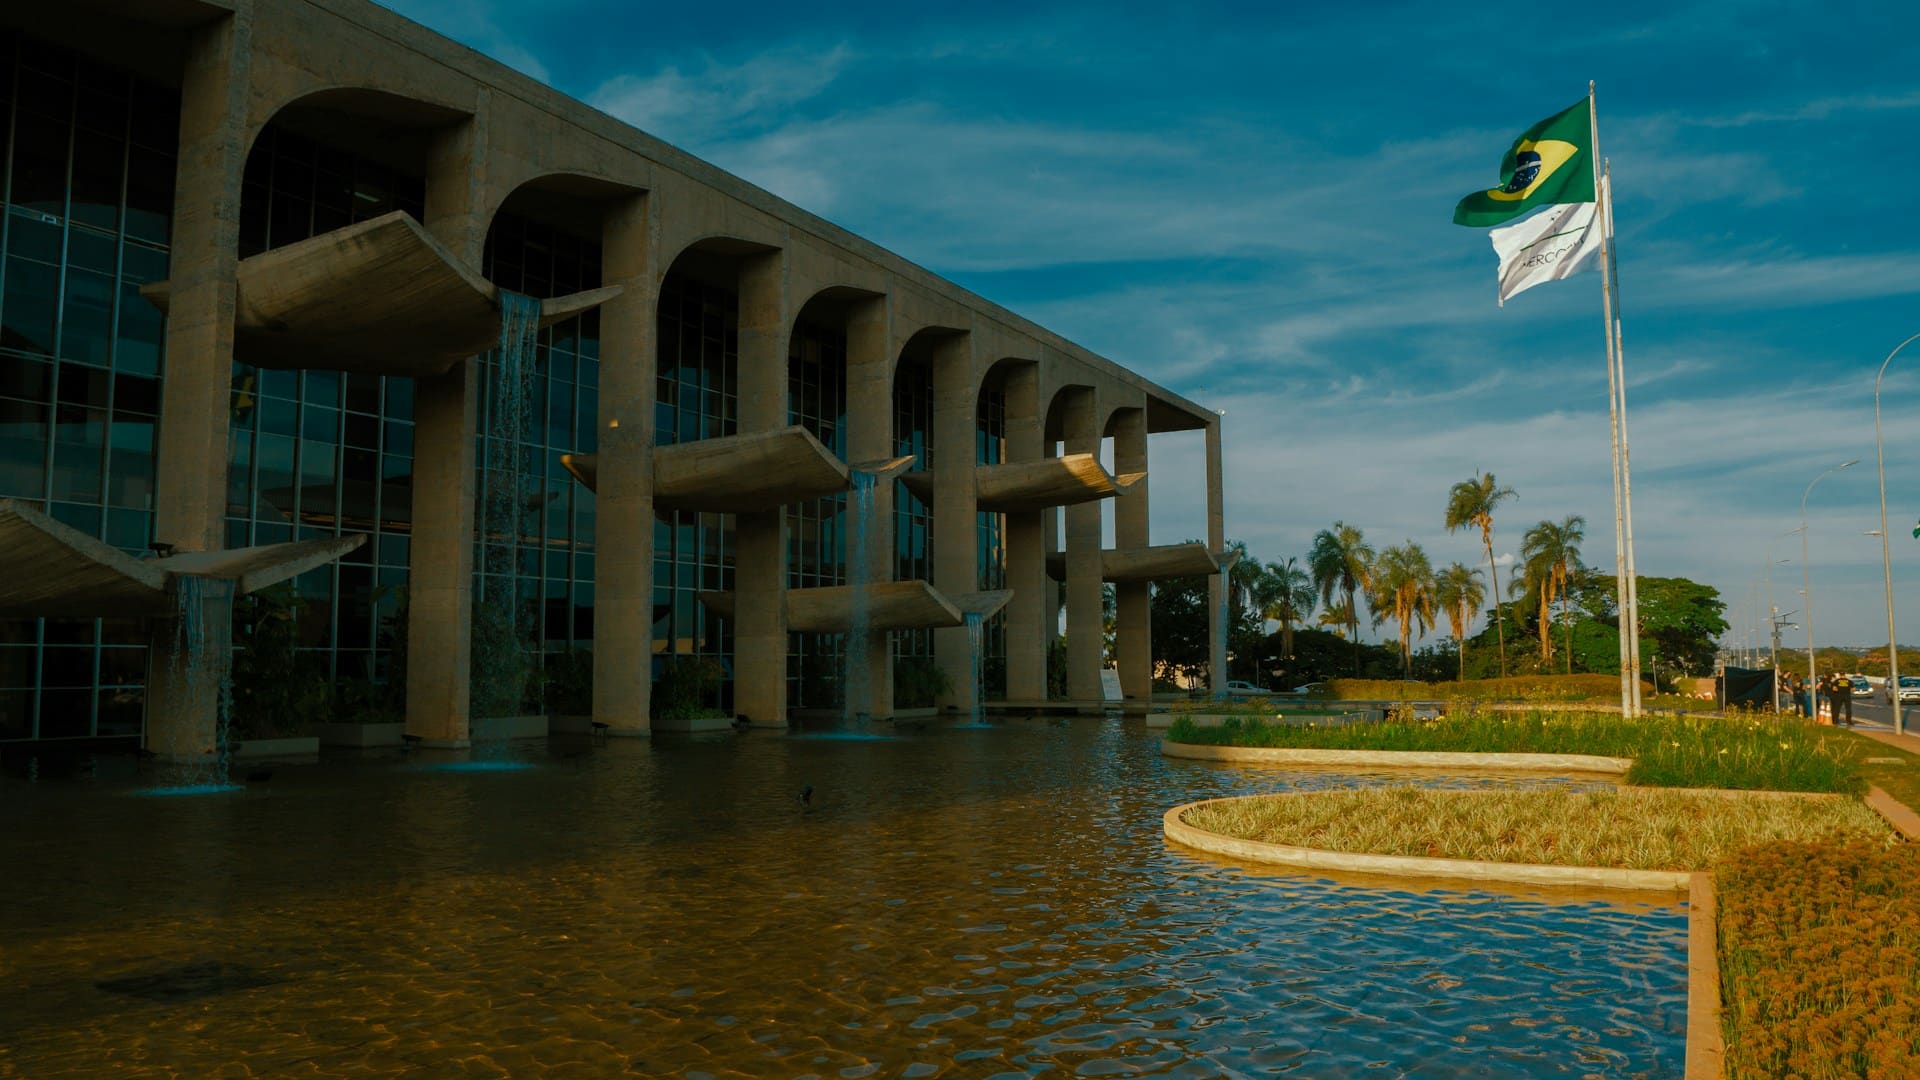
(1909, 743)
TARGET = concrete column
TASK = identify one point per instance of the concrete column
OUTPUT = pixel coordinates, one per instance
(445, 410)
(956, 524)
(623, 602)
(1086, 629)
(870, 437)
(1133, 599)
(195, 407)
(1217, 584)
(1027, 629)
(760, 540)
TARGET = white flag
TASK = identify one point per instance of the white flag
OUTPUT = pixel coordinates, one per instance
(1558, 242)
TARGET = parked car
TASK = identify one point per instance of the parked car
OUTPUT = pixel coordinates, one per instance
(1242, 688)
(1861, 687)
(1909, 689)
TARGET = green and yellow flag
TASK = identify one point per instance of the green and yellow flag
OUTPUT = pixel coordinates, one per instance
(1551, 162)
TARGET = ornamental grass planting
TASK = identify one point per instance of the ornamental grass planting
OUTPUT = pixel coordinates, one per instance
(1692, 751)
(1820, 960)
(1621, 828)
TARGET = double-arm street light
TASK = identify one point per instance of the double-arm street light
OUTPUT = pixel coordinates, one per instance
(1806, 577)
(1886, 548)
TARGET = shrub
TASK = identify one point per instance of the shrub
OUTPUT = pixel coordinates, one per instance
(278, 689)
(686, 688)
(568, 684)
(918, 682)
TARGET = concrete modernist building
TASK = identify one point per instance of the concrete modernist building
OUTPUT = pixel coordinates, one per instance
(257, 257)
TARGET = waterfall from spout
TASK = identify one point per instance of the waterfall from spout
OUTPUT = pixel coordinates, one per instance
(976, 656)
(201, 653)
(857, 683)
(501, 632)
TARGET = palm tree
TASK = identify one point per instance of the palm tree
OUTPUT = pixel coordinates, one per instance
(1472, 502)
(1551, 553)
(1291, 599)
(1337, 616)
(1339, 562)
(1459, 593)
(1402, 590)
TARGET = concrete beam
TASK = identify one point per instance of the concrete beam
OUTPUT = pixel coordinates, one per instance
(381, 296)
(1157, 563)
(891, 605)
(1016, 487)
(742, 474)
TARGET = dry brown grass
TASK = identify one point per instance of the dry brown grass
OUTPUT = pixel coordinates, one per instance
(1634, 829)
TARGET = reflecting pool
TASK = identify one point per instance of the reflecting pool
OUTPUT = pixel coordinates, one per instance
(970, 903)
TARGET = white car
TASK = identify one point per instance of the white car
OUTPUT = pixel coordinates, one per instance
(1241, 688)
(1909, 689)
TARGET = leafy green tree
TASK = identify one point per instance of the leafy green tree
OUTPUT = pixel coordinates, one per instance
(1319, 655)
(1550, 553)
(1291, 600)
(1684, 620)
(1178, 618)
(1458, 591)
(1401, 589)
(1472, 503)
(1340, 561)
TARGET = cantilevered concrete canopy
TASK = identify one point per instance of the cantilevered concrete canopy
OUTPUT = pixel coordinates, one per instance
(1157, 563)
(742, 474)
(1036, 485)
(892, 605)
(381, 297)
(57, 571)
(984, 604)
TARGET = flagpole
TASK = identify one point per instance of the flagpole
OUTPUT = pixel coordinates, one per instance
(1613, 407)
(1626, 446)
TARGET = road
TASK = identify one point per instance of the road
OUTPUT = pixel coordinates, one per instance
(1878, 715)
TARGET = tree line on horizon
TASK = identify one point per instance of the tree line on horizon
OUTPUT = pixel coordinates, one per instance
(1555, 598)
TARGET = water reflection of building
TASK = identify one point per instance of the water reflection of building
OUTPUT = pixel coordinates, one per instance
(368, 184)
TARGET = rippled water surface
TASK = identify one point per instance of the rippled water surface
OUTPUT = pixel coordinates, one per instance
(952, 903)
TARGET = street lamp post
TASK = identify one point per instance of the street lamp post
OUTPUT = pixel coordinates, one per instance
(1773, 624)
(1806, 577)
(1886, 548)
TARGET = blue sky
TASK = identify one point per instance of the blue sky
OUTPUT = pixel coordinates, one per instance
(1253, 206)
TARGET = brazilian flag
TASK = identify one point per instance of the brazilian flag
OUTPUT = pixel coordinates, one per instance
(1551, 162)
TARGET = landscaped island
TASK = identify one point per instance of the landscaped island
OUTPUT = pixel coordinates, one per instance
(1818, 901)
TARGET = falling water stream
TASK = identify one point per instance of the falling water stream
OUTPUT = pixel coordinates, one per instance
(200, 653)
(501, 641)
(976, 660)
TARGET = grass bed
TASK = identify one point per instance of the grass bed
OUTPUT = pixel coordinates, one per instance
(1582, 687)
(1626, 829)
(1820, 960)
(1736, 753)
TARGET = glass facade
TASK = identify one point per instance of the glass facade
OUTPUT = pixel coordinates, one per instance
(817, 539)
(990, 448)
(912, 518)
(324, 453)
(696, 397)
(86, 205)
(547, 565)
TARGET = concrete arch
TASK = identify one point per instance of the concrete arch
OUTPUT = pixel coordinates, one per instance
(1061, 404)
(1114, 410)
(569, 195)
(701, 257)
(339, 106)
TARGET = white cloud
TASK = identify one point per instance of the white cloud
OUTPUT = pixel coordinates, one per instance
(717, 100)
